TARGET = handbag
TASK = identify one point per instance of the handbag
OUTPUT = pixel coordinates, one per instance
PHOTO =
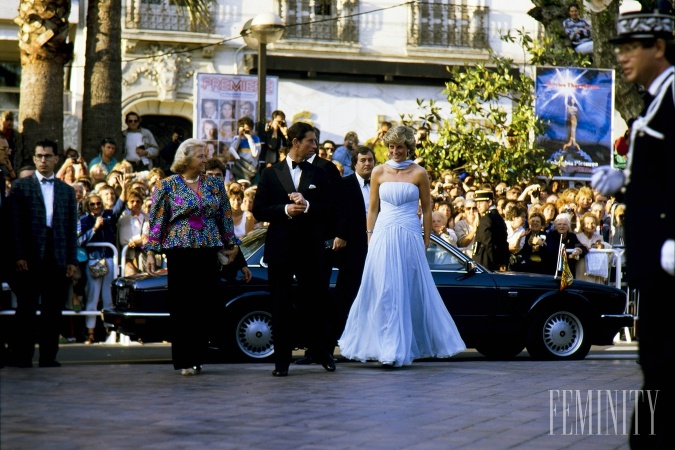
(597, 264)
(244, 169)
(99, 268)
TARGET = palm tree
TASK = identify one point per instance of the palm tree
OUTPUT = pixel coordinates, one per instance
(102, 95)
(102, 99)
(44, 47)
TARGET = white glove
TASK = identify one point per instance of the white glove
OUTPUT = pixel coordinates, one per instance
(668, 257)
(607, 180)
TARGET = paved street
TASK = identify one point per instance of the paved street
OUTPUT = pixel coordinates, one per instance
(466, 402)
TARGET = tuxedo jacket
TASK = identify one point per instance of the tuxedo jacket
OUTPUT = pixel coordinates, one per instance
(302, 235)
(492, 247)
(334, 180)
(351, 222)
(29, 219)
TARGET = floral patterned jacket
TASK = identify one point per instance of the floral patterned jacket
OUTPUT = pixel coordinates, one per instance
(179, 218)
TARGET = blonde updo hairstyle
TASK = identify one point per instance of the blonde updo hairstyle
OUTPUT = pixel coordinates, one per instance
(400, 134)
(184, 154)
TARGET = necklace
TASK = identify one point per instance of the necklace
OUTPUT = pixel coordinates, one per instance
(187, 180)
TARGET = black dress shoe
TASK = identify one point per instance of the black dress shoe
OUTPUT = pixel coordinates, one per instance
(280, 373)
(328, 363)
(52, 363)
(306, 361)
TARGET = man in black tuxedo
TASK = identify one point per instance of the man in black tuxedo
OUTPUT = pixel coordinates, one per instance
(355, 197)
(44, 231)
(293, 196)
(491, 245)
(332, 244)
(646, 53)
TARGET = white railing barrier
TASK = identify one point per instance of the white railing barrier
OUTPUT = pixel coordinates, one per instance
(68, 312)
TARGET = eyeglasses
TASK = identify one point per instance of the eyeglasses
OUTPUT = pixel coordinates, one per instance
(132, 121)
(95, 204)
(469, 208)
(43, 157)
(627, 49)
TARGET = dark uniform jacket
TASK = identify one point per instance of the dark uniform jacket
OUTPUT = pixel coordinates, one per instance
(491, 245)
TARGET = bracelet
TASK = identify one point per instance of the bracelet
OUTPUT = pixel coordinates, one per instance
(369, 231)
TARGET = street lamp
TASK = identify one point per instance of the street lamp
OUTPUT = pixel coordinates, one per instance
(263, 29)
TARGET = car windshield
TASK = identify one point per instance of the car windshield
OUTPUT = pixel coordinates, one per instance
(252, 242)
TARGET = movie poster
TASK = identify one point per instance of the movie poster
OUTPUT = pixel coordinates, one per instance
(221, 100)
(577, 104)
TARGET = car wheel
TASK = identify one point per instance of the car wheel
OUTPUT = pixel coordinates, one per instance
(557, 333)
(500, 350)
(253, 333)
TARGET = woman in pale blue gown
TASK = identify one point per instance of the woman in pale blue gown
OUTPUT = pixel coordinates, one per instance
(398, 315)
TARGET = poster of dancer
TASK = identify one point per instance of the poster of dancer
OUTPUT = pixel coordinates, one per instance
(577, 105)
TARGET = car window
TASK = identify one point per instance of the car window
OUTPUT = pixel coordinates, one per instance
(441, 259)
(252, 242)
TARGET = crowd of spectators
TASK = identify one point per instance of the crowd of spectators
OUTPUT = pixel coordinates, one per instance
(114, 198)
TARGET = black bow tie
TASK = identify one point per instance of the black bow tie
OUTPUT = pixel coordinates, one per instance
(47, 180)
(366, 182)
(302, 164)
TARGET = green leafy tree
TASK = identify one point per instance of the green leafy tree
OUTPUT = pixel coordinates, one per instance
(480, 135)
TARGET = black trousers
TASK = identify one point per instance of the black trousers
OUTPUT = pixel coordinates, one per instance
(45, 286)
(656, 342)
(304, 308)
(193, 303)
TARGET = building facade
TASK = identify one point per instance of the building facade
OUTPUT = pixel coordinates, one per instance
(345, 65)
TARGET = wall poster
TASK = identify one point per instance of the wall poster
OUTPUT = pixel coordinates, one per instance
(221, 100)
(577, 104)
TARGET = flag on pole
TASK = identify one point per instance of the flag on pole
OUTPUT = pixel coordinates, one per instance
(566, 276)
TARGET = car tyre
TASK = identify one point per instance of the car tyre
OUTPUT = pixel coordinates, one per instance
(558, 333)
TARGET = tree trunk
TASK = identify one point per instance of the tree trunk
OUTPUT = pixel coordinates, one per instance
(102, 99)
(44, 46)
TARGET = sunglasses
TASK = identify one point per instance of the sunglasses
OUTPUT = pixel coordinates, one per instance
(95, 204)
(132, 121)
(470, 208)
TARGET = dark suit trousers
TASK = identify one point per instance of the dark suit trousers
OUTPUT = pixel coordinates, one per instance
(45, 286)
(303, 308)
(193, 301)
(347, 286)
(657, 356)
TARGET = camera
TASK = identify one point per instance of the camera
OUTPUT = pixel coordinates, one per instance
(535, 193)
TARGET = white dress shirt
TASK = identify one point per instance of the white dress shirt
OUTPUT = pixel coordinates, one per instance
(365, 190)
(48, 196)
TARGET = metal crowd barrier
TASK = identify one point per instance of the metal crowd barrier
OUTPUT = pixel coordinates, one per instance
(67, 312)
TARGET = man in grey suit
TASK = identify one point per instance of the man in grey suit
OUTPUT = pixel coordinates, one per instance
(44, 232)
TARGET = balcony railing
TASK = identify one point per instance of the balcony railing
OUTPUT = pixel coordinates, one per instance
(446, 24)
(320, 20)
(161, 15)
